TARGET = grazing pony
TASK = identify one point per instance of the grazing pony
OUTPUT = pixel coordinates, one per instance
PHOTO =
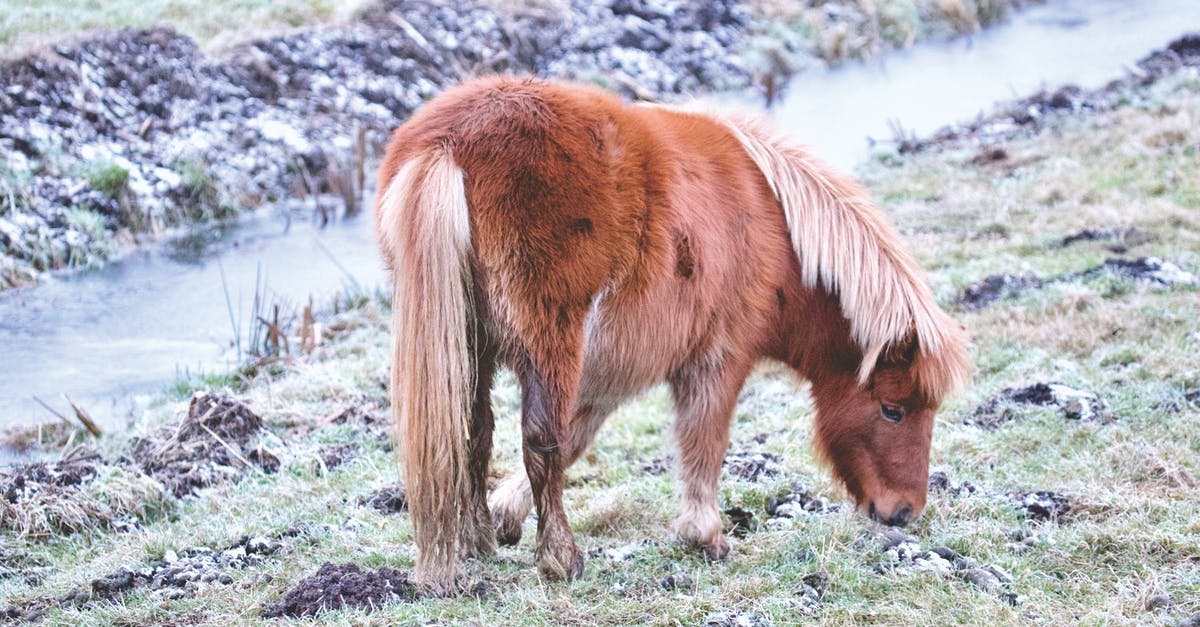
(597, 248)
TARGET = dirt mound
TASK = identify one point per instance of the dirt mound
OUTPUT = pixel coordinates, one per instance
(797, 502)
(1043, 505)
(1075, 404)
(178, 574)
(214, 443)
(752, 465)
(335, 586)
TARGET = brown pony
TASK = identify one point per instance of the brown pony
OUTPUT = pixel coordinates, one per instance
(597, 248)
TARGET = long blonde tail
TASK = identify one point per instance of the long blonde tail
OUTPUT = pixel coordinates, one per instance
(425, 231)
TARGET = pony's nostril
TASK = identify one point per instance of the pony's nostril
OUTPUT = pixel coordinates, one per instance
(900, 517)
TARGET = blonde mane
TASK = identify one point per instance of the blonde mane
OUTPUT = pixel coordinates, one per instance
(845, 244)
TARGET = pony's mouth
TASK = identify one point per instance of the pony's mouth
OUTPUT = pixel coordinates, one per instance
(899, 517)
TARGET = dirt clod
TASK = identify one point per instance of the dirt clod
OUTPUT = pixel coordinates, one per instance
(1043, 505)
(389, 500)
(794, 503)
(335, 586)
(751, 466)
(992, 288)
(678, 580)
(741, 521)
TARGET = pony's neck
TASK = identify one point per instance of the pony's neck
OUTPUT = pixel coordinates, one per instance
(816, 338)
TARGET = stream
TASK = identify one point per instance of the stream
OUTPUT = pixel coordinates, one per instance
(112, 338)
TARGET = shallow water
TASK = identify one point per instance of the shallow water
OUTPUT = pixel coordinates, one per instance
(1081, 42)
(105, 337)
(111, 336)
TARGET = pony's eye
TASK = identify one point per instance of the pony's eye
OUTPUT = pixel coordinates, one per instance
(892, 413)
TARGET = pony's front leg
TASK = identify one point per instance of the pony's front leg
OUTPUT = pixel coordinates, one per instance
(705, 395)
(547, 396)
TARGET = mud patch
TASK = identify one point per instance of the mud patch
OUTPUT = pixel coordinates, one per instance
(336, 586)
(1153, 270)
(741, 521)
(390, 500)
(216, 442)
(366, 416)
(992, 288)
(178, 574)
(335, 455)
(1074, 404)
(939, 483)
(1156, 272)
(806, 599)
(734, 618)
(1123, 239)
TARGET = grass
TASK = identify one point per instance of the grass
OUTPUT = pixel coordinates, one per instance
(1134, 484)
(25, 26)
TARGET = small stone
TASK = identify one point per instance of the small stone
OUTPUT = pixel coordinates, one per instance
(170, 557)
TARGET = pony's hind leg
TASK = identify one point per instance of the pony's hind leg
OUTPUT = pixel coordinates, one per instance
(705, 394)
(476, 538)
(512, 500)
(549, 385)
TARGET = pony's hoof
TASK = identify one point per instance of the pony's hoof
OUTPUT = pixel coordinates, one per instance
(567, 569)
(507, 533)
(717, 549)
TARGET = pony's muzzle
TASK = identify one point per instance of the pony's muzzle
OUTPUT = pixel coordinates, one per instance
(899, 517)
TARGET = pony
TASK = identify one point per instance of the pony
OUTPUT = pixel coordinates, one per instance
(597, 248)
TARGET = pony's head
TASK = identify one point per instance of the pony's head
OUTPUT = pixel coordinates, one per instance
(876, 434)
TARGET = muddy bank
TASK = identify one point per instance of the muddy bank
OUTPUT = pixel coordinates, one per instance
(218, 440)
(1027, 115)
(137, 131)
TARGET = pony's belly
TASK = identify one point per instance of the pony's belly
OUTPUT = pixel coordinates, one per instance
(629, 348)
